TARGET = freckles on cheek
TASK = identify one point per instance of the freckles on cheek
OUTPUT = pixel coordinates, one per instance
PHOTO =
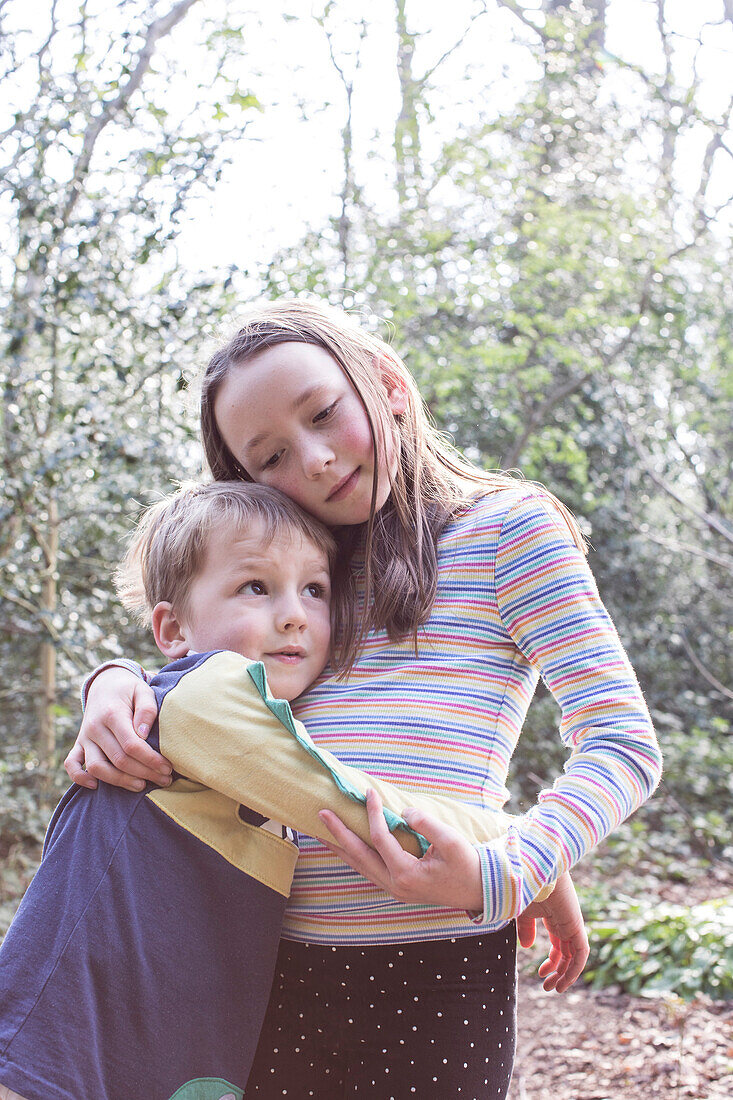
(356, 437)
(292, 488)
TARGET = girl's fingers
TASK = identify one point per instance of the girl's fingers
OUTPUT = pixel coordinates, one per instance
(74, 764)
(526, 930)
(124, 748)
(123, 763)
(98, 765)
(352, 850)
(145, 710)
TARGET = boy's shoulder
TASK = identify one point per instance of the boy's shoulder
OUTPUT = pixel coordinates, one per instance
(201, 663)
(210, 684)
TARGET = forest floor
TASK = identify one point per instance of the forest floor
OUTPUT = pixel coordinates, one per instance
(590, 1044)
(585, 1044)
(604, 1045)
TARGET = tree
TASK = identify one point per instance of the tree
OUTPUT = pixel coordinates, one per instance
(560, 288)
(101, 322)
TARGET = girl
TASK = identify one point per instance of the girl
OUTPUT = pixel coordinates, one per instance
(456, 590)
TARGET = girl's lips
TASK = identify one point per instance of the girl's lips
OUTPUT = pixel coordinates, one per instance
(345, 486)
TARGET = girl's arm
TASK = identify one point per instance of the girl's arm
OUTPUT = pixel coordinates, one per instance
(550, 607)
(119, 713)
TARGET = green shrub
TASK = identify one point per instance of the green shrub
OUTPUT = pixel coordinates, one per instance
(648, 948)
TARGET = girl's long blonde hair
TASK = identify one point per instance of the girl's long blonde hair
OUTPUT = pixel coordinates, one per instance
(432, 482)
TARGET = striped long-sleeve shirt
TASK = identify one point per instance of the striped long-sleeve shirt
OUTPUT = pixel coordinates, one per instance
(515, 600)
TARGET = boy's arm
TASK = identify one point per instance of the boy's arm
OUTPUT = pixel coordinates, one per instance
(220, 727)
(562, 917)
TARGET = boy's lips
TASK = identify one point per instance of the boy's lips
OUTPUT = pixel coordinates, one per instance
(344, 486)
(289, 655)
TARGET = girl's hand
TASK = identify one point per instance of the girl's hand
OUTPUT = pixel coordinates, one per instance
(449, 874)
(119, 713)
(560, 913)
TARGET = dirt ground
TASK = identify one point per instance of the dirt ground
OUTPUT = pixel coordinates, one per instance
(605, 1045)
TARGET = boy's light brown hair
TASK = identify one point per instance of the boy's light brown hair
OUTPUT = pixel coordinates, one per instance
(168, 548)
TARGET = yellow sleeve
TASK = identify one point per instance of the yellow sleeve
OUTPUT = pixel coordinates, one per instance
(221, 727)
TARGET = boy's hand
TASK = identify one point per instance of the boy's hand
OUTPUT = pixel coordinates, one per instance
(111, 744)
(560, 913)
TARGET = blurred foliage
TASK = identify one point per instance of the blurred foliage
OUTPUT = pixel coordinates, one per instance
(650, 949)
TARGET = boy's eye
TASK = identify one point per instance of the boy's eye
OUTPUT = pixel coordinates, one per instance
(317, 591)
(324, 413)
(254, 588)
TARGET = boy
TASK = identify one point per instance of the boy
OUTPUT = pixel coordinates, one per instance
(122, 973)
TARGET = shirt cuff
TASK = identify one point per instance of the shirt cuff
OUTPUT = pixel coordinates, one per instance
(489, 917)
(118, 662)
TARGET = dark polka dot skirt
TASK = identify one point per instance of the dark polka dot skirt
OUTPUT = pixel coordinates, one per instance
(427, 1020)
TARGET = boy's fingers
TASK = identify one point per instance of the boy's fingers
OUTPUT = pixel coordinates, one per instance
(526, 930)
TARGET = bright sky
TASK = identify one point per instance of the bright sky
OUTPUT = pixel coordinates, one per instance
(290, 168)
(286, 175)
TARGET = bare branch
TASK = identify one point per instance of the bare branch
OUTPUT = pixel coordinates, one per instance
(681, 547)
(158, 29)
(519, 13)
(705, 517)
(43, 70)
(537, 418)
(451, 49)
(704, 672)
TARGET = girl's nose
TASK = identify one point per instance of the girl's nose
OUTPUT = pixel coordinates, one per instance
(317, 459)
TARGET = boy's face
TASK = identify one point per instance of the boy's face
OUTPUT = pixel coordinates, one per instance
(268, 601)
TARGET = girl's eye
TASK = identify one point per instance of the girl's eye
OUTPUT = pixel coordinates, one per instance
(272, 461)
(254, 588)
(324, 414)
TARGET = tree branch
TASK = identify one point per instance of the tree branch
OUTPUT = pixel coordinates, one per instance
(537, 418)
(158, 29)
(710, 521)
(521, 15)
(704, 672)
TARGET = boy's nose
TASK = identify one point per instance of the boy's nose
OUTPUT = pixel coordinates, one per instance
(291, 615)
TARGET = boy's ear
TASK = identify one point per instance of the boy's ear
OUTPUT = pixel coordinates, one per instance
(170, 634)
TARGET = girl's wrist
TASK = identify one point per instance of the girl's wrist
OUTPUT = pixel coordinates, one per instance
(117, 662)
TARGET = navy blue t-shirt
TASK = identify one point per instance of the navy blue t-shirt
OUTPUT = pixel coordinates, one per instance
(139, 964)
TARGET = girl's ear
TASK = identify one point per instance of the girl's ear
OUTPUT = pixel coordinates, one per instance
(397, 397)
(395, 387)
(170, 633)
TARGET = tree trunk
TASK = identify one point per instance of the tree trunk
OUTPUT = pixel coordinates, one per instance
(49, 601)
(407, 130)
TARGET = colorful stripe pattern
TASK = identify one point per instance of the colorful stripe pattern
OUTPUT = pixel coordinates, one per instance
(515, 600)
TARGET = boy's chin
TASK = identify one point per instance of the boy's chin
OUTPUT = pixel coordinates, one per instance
(284, 686)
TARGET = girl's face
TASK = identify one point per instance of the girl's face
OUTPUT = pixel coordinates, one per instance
(294, 421)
